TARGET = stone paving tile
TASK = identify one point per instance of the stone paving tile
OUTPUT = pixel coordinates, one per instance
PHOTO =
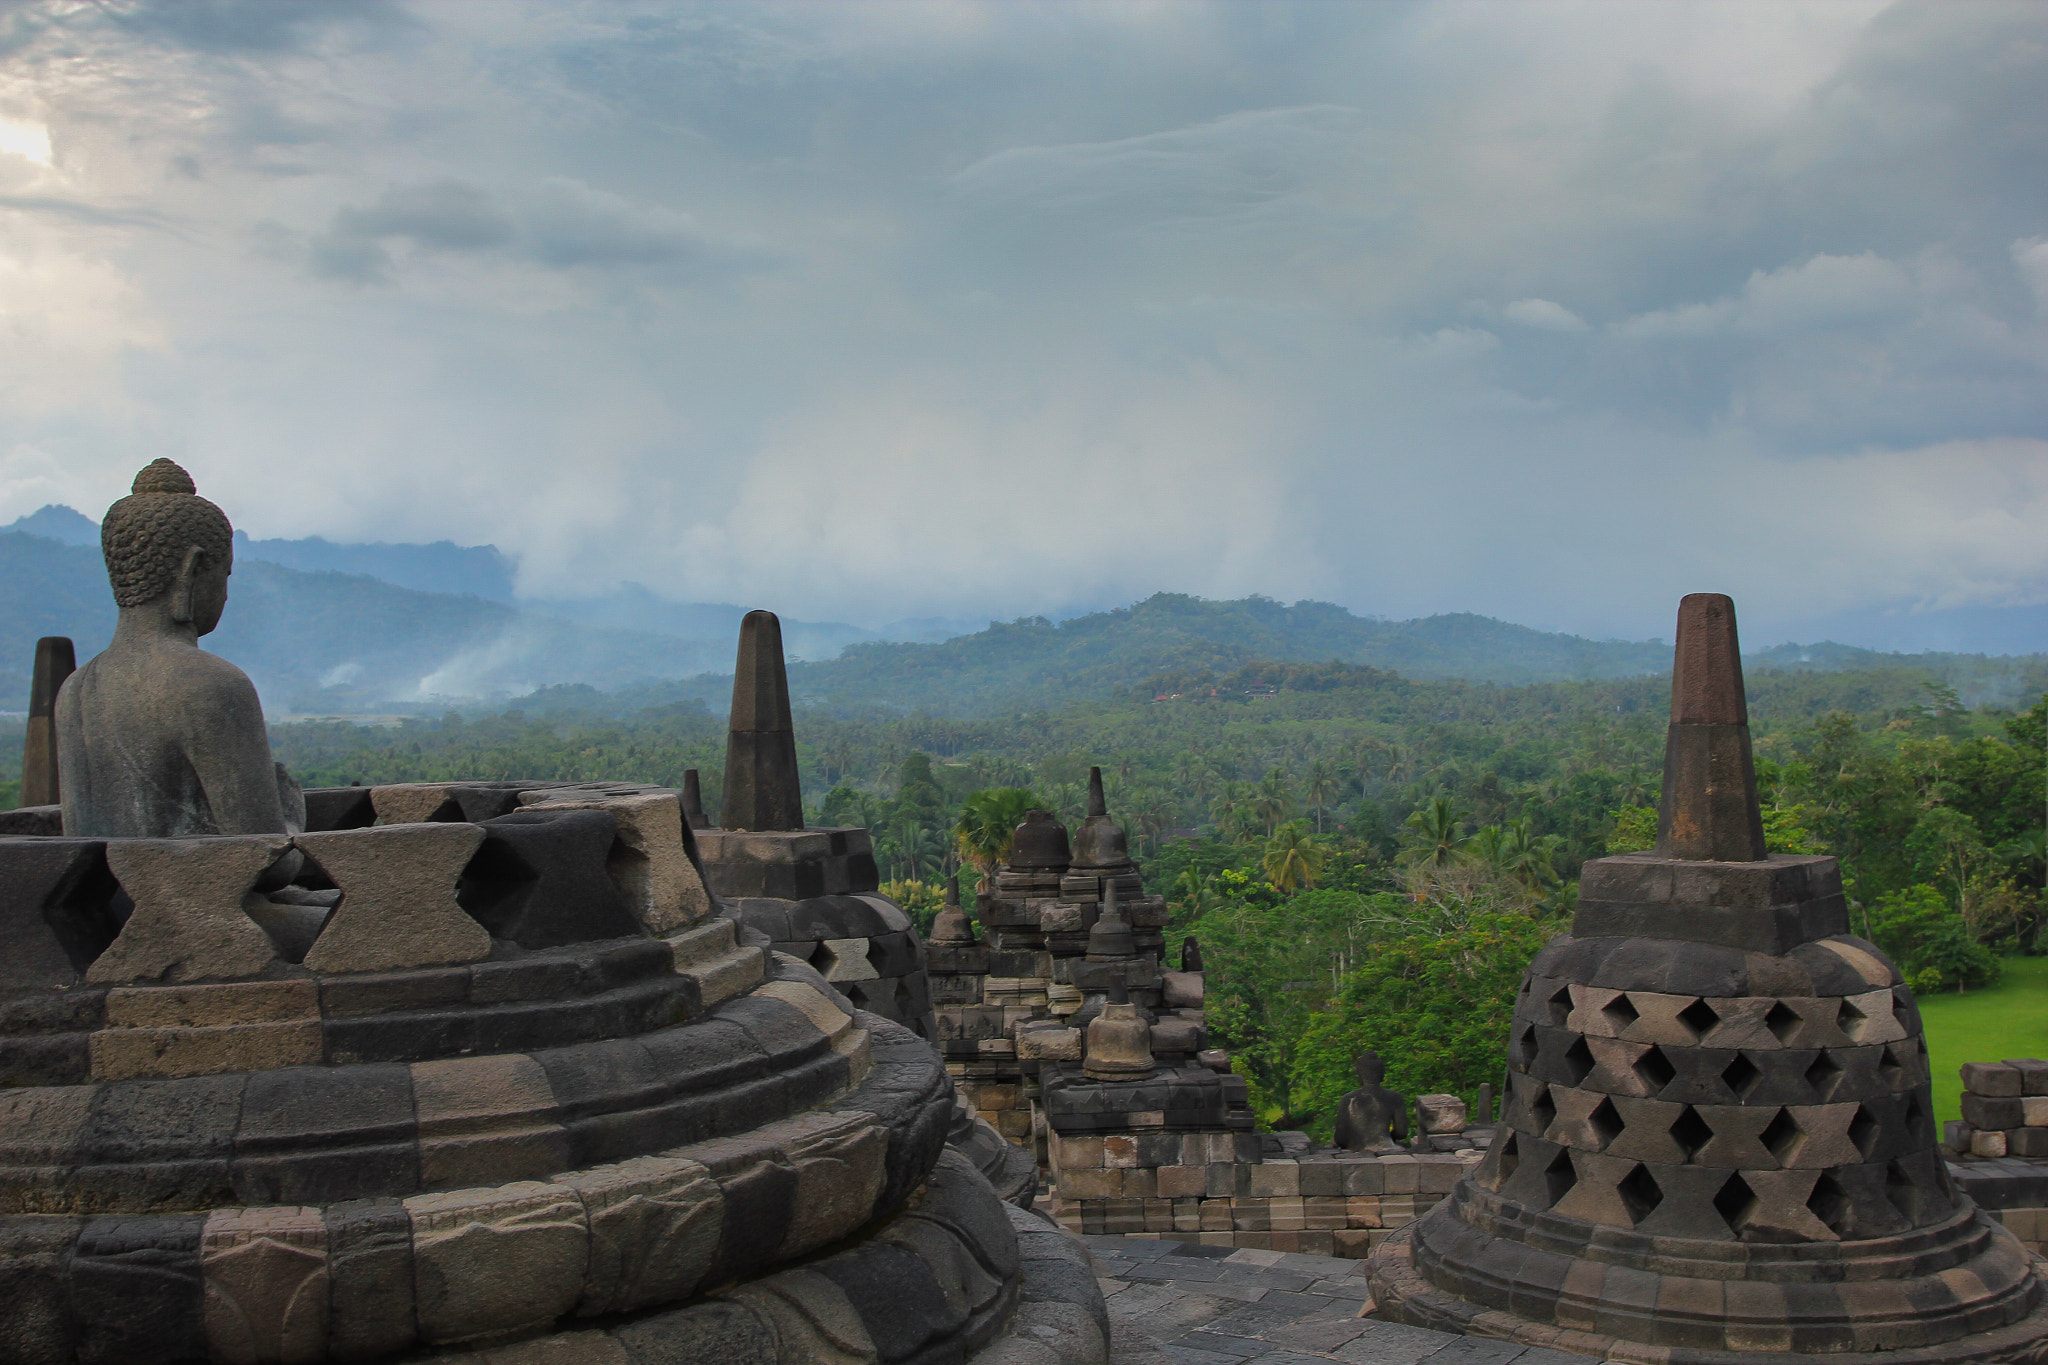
(1207, 1305)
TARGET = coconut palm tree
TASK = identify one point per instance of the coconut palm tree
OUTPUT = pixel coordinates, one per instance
(1231, 811)
(1322, 788)
(988, 822)
(1437, 840)
(1273, 802)
(1292, 860)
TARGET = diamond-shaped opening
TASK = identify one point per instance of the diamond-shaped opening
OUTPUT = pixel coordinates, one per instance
(853, 993)
(822, 958)
(1736, 1203)
(1902, 1192)
(1915, 1113)
(1782, 1021)
(1863, 1130)
(1639, 1193)
(1892, 1067)
(1851, 1021)
(1621, 1012)
(1604, 1122)
(1655, 1069)
(1691, 1132)
(1740, 1076)
(1560, 1006)
(1559, 1177)
(1543, 1109)
(1700, 1017)
(1783, 1136)
(1507, 1157)
(1830, 1203)
(1824, 1075)
(1525, 1047)
(1578, 1061)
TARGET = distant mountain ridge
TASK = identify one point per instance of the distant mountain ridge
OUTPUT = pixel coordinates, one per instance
(321, 639)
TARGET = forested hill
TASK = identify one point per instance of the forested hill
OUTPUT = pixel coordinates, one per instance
(1109, 651)
(1173, 643)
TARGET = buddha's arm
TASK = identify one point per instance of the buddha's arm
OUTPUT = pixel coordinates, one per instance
(230, 751)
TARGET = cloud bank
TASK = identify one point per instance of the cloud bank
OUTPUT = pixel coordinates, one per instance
(874, 310)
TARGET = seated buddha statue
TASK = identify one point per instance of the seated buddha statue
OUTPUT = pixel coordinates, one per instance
(157, 738)
(1370, 1118)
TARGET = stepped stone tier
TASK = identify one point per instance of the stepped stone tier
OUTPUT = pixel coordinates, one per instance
(1022, 995)
(811, 892)
(491, 1070)
(1719, 1140)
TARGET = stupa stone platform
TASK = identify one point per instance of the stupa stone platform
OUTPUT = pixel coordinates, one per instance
(530, 1131)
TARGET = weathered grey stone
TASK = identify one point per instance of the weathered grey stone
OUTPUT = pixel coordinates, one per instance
(810, 1318)
(265, 1273)
(654, 1228)
(762, 788)
(56, 660)
(415, 803)
(56, 914)
(540, 880)
(497, 1260)
(206, 1030)
(650, 864)
(190, 920)
(157, 738)
(486, 1119)
(398, 905)
(370, 1278)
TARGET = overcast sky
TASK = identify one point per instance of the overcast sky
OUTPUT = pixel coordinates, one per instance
(858, 310)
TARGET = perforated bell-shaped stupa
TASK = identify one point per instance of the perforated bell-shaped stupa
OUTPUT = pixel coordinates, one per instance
(1720, 1142)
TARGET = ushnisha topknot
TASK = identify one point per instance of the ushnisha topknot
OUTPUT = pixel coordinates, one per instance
(145, 535)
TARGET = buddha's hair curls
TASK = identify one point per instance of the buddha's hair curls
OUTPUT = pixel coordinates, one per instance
(146, 534)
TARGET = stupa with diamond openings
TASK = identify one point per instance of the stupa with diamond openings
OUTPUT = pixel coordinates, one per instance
(1720, 1142)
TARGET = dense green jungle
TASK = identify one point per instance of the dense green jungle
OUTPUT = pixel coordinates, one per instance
(1367, 859)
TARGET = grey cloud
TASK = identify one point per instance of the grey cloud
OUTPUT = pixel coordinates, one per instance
(559, 223)
(245, 26)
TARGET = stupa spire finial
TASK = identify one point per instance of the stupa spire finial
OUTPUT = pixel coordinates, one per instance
(762, 787)
(1709, 810)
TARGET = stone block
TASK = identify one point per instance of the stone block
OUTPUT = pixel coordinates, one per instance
(398, 897)
(265, 1274)
(1090, 1183)
(370, 1279)
(539, 879)
(810, 1317)
(654, 1227)
(40, 1131)
(137, 1291)
(483, 1120)
(2027, 1142)
(412, 803)
(1182, 1182)
(1441, 1113)
(1987, 1143)
(206, 1030)
(151, 1145)
(1992, 1079)
(320, 1135)
(499, 1260)
(651, 864)
(2033, 1074)
(758, 1184)
(839, 1160)
(55, 910)
(35, 1298)
(1275, 1179)
(190, 920)
(1982, 1111)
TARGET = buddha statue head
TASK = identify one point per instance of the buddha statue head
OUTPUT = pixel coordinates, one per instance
(165, 544)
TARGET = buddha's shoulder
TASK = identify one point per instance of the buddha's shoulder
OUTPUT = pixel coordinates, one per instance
(189, 676)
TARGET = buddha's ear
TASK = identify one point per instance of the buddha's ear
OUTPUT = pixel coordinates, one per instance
(181, 586)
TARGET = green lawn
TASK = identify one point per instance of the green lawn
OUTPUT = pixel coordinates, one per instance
(1985, 1026)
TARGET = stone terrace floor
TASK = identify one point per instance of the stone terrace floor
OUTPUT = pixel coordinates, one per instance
(1186, 1304)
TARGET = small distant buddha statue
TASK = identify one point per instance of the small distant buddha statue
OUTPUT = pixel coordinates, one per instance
(156, 737)
(1370, 1118)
